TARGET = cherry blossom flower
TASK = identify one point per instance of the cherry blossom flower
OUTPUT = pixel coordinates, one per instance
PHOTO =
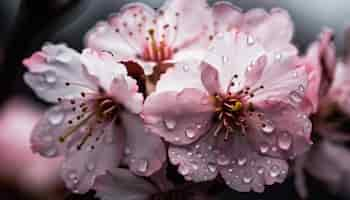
(34, 173)
(320, 62)
(95, 124)
(242, 120)
(273, 30)
(178, 30)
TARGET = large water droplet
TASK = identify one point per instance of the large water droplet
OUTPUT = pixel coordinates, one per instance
(274, 171)
(242, 161)
(212, 168)
(284, 141)
(170, 124)
(250, 40)
(268, 127)
(51, 152)
(56, 117)
(142, 166)
(264, 148)
(190, 133)
(222, 160)
(295, 97)
(50, 77)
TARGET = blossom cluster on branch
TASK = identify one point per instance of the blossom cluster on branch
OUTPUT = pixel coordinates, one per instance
(219, 93)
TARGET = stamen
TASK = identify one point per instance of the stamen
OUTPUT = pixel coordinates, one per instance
(74, 128)
(85, 138)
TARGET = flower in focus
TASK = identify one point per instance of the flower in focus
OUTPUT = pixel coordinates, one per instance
(177, 31)
(95, 124)
(17, 117)
(241, 120)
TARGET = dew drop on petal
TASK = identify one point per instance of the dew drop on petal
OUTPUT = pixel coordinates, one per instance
(186, 68)
(195, 167)
(127, 151)
(170, 124)
(50, 77)
(224, 59)
(56, 117)
(268, 127)
(284, 141)
(260, 170)
(212, 168)
(241, 161)
(51, 152)
(264, 148)
(274, 171)
(222, 160)
(278, 56)
(197, 146)
(142, 166)
(250, 40)
(247, 179)
(183, 170)
(295, 97)
(301, 88)
(190, 133)
(90, 166)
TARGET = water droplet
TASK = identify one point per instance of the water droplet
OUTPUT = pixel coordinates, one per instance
(142, 166)
(275, 171)
(222, 160)
(307, 126)
(186, 68)
(127, 151)
(195, 167)
(190, 133)
(295, 97)
(183, 170)
(212, 168)
(268, 127)
(90, 166)
(199, 155)
(284, 141)
(199, 125)
(301, 88)
(264, 148)
(278, 56)
(261, 170)
(210, 147)
(72, 176)
(177, 139)
(64, 57)
(189, 153)
(247, 179)
(56, 117)
(170, 124)
(230, 170)
(51, 152)
(241, 161)
(50, 77)
(250, 40)
(224, 59)
(197, 146)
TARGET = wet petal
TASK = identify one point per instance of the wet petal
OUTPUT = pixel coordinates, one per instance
(51, 69)
(279, 130)
(125, 33)
(103, 66)
(124, 90)
(144, 151)
(123, 184)
(226, 16)
(231, 53)
(180, 118)
(182, 75)
(101, 153)
(210, 79)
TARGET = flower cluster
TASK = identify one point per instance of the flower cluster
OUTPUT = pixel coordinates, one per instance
(219, 93)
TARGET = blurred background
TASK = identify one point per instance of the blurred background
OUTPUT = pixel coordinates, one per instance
(26, 25)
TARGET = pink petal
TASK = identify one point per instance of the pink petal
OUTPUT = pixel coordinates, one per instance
(190, 32)
(242, 168)
(124, 91)
(125, 33)
(210, 79)
(226, 16)
(182, 75)
(52, 68)
(281, 131)
(101, 153)
(274, 30)
(144, 152)
(180, 118)
(103, 66)
(123, 184)
(283, 81)
(231, 53)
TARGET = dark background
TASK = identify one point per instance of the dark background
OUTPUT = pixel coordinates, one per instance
(25, 25)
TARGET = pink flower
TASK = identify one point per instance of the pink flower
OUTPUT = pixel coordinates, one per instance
(242, 120)
(273, 30)
(95, 124)
(177, 31)
(30, 172)
(320, 62)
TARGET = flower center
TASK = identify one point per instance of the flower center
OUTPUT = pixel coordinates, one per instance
(156, 51)
(90, 113)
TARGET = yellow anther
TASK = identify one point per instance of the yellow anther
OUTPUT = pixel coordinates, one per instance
(237, 106)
